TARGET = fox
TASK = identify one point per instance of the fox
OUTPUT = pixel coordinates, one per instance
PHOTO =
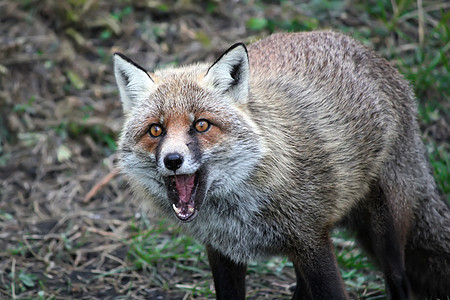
(264, 151)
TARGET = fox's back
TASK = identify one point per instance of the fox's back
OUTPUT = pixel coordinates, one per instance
(325, 100)
(330, 73)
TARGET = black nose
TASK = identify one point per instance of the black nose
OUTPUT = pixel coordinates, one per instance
(173, 161)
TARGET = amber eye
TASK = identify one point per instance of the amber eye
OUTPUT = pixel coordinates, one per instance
(202, 125)
(155, 130)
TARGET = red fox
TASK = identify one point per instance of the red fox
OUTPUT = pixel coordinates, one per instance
(265, 150)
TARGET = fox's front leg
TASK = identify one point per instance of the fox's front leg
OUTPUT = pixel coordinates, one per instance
(317, 271)
(229, 277)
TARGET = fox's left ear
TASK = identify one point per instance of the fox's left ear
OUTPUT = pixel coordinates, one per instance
(134, 83)
(230, 73)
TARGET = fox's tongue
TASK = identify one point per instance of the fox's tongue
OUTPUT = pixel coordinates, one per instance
(184, 185)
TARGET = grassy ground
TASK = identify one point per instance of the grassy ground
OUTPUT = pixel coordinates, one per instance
(68, 227)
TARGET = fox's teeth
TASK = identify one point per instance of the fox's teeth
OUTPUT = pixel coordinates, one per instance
(191, 209)
(176, 209)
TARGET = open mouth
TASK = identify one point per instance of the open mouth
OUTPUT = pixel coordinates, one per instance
(183, 191)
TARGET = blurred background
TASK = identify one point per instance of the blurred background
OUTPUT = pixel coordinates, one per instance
(68, 225)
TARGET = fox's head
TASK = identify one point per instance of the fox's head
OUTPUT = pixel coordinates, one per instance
(188, 135)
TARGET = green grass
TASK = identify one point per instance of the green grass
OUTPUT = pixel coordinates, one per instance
(440, 162)
(356, 268)
(160, 249)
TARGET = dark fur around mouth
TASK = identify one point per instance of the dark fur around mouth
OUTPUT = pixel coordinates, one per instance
(186, 193)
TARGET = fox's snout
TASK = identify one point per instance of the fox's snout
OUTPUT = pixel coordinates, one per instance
(176, 157)
(173, 161)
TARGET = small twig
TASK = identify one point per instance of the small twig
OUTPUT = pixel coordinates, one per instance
(421, 23)
(13, 274)
(394, 8)
(187, 295)
(426, 10)
(102, 232)
(99, 185)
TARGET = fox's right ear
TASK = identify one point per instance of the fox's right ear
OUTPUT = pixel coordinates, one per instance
(133, 81)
